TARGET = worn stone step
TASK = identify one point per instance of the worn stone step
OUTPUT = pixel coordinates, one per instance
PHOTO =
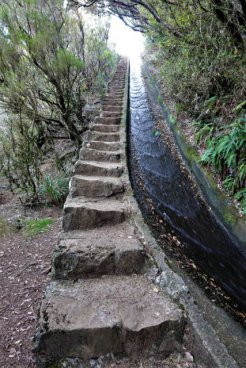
(105, 128)
(95, 155)
(104, 137)
(104, 146)
(118, 81)
(114, 96)
(85, 213)
(97, 252)
(98, 168)
(113, 108)
(91, 318)
(112, 100)
(108, 120)
(111, 114)
(95, 186)
(118, 78)
(116, 86)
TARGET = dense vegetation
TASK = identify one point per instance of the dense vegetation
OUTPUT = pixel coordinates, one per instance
(50, 61)
(204, 71)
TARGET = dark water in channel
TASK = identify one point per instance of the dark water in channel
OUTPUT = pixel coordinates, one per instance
(177, 201)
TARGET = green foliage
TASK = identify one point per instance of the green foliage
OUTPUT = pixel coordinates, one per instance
(226, 153)
(21, 157)
(54, 190)
(241, 196)
(36, 226)
(204, 71)
(204, 132)
(50, 61)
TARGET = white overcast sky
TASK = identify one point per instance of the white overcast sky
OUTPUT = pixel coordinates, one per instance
(127, 42)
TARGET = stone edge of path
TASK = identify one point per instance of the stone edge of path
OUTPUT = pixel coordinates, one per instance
(204, 343)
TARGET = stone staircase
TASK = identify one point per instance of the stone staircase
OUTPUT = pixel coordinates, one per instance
(100, 301)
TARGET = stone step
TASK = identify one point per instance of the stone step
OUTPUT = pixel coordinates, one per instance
(103, 251)
(105, 128)
(113, 108)
(104, 137)
(98, 168)
(117, 82)
(111, 114)
(95, 186)
(112, 100)
(117, 92)
(116, 88)
(118, 79)
(108, 120)
(116, 314)
(114, 96)
(84, 213)
(95, 155)
(104, 146)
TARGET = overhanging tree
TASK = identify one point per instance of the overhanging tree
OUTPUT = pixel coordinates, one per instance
(142, 15)
(47, 68)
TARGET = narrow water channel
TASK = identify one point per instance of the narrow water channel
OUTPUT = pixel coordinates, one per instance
(170, 187)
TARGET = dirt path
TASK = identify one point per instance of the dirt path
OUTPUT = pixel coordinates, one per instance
(24, 272)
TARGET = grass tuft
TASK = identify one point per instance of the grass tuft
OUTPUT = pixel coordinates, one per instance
(36, 226)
